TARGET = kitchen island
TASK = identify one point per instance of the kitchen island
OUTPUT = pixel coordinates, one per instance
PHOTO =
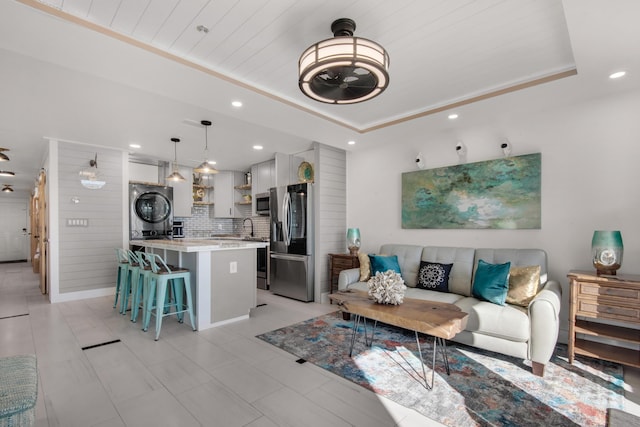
(223, 275)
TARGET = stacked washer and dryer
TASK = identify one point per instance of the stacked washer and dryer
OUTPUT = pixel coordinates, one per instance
(150, 211)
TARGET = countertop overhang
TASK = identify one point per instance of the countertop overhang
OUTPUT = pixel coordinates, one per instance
(199, 245)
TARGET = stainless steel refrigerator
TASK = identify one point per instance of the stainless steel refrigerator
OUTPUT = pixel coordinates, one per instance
(291, 236)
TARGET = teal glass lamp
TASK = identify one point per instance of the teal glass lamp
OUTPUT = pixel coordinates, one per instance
(606, 251)
(353, 240)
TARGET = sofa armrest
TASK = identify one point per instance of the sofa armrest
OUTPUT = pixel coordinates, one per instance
(348, 277)
(544, 315)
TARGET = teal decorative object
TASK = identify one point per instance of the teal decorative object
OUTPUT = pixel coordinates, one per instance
(353, 240)
(606, 251)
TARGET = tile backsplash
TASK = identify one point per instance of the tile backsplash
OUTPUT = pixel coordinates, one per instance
(200, 225)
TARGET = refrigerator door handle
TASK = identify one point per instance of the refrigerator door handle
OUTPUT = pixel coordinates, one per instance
(286, 218)
(289, 257)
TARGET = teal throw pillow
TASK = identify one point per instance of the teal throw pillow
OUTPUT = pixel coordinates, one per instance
(382, 263)
(491, 282)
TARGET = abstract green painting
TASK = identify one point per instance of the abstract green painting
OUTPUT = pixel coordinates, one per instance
(498, 194)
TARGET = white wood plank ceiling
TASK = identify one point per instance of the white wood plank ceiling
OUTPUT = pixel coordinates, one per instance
(442, 51)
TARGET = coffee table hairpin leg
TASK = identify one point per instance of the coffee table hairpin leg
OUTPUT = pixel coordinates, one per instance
(368, 341)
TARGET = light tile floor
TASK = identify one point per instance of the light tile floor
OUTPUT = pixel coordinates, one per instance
(219, 377)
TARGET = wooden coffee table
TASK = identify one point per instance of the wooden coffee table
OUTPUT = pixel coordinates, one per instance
(440, 320)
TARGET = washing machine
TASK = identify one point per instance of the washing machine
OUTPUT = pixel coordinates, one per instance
(150, 211)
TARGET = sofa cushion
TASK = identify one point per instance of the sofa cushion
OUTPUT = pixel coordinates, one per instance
(365, 266)
(462, 270)
(491, 282)
(503, 321)
(408, 258)
(517, 257)
(434, 276)
(383, 263)
(418, 293)
(523, 284)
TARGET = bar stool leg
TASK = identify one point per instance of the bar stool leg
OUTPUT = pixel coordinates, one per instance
(161, 293)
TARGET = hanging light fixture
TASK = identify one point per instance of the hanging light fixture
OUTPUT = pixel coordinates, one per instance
(91, 178)
(7, 188)
(3, 157)
(175, 175)
(344, 69)
(205, 167)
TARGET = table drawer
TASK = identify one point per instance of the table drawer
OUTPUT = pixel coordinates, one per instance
(625, 295)
(342, 264)
(592, 308)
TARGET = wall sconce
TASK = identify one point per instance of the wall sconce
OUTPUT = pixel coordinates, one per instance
(420, 163)
(505, 145)
(91, 178)
(461, 150)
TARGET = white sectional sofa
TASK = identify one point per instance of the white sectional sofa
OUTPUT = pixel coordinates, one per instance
(524, 332)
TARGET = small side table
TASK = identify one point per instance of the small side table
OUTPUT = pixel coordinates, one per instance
(596, 299)
(337, 263)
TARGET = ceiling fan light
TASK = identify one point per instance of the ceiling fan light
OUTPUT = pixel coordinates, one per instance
(7, 173)
(344, 69)
(7, 189)
(3, 157)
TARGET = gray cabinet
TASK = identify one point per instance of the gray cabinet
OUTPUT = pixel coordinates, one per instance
(226, 200)
(183, 193)
(263, 178)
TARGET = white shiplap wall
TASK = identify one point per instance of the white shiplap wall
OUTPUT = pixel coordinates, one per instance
(86, 254)
(330, 192)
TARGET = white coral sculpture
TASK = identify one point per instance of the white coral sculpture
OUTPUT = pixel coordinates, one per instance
(387, 287)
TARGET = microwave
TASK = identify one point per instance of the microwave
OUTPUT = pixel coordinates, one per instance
(262, 204)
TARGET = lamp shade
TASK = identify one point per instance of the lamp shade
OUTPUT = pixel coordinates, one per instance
(606, 251)
(353, 240)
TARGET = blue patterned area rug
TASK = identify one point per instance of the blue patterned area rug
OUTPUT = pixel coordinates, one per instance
(484, 388)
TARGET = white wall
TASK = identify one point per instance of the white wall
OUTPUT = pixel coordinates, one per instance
(590, 170)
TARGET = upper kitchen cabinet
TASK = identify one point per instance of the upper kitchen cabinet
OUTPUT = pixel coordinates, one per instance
(227, 201)
(142, 172)
(182, 193)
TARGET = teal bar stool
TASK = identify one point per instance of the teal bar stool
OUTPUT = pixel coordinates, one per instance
(138, 283)
(155, 293)
(123, 271)
(133, 273)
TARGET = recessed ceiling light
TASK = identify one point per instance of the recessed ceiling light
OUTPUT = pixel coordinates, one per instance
(212, 162)
(258, 147)
(134, 145)
(453, 116)
(617, 74)
(237, 104)
(351, 142)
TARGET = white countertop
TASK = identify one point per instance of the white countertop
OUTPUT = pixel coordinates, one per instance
(199, 245)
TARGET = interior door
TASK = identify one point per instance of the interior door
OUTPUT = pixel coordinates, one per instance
(41, 231)
(13, 235)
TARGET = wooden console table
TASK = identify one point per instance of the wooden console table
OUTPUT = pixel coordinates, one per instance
(337, 263)
(595, 299)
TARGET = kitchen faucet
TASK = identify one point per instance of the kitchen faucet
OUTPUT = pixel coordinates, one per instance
(251, 221)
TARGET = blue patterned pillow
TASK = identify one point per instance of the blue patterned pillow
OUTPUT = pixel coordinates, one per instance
(434, 276)
(383, 263)
(491, 282)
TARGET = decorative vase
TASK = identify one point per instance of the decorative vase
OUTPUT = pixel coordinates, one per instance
(387, 288)
(353, 240)
(606, 251)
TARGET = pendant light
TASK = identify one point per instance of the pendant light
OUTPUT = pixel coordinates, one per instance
(7, 188)
(205, 167)
(3, 157)
(175, 175)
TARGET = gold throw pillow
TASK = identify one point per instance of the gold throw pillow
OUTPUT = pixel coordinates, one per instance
(523, 284)
(365, 266)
